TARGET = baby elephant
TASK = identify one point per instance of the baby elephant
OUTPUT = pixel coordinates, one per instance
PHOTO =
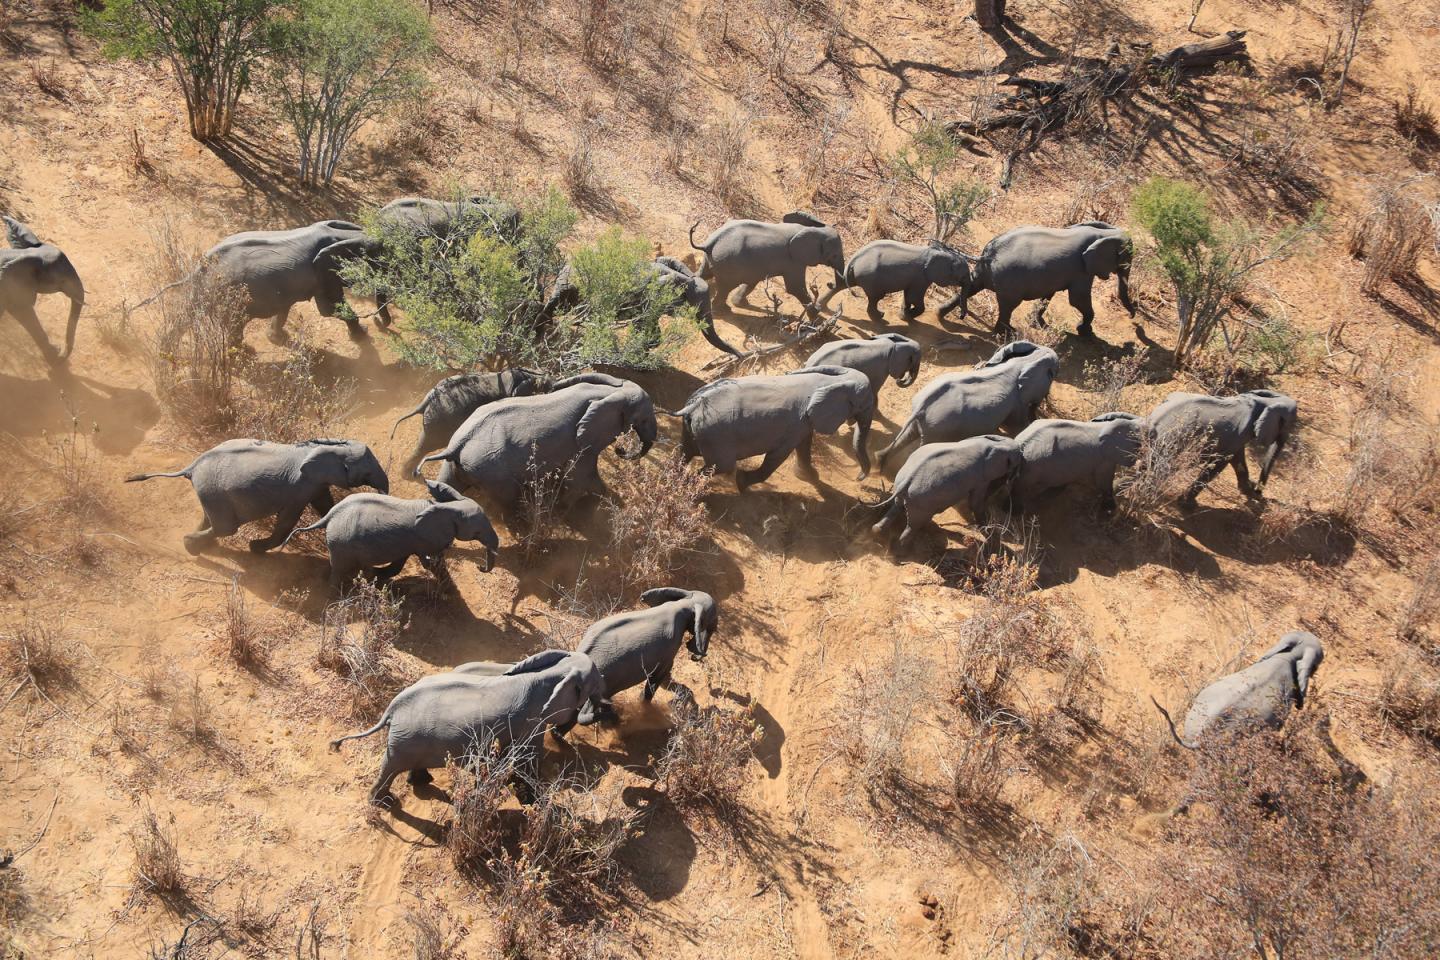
(371, 530)
(883, 355)
(244, 480)
(1261, 695)
(1062, 453)
(451, 401)
(943, 475)
(462, 717)
(883, 267)
(640, 646)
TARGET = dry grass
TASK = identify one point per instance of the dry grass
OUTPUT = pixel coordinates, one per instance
(1390, 234)
(357, 641)
(657, 519)
(707, 756)
(157, 855)
(243, 636)
(39, 654)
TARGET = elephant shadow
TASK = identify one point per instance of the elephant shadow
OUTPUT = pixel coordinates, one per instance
(121, 416)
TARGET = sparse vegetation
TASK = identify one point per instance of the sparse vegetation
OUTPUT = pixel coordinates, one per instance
(357, 641)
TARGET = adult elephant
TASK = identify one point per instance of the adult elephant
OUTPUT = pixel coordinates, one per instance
(942, 475)
(742, 253)
(881, 356)
(729, 420)
(510, 443)
(685, 288)
(244, 480)
(1005, 390)
(1259, 696)
(1063, 453)
(1219, 429)
(276, 269)
(451, 401)
(1035, 263)
(468, 719)
(883, 267)
(29, 268)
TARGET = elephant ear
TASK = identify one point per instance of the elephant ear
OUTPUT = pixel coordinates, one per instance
(443, 492)
(1102, 257)
(539, 662)
(829, 406)
(21, 237)
(602, 422)
(658, 595)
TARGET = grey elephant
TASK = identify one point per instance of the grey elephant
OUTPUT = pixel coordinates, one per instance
(883, 267)
(1221, 428)
(466, 718)
(439, 218)
(29, 268)
(374, 531)
(686, 286)
(244, 480)
(511, 442)
(451, 401)
(881, 356)
(1035, 263)
(728, 420)
(1063, 453)
(943, 475)
(1260, 696)
(742, 253)
(1004, 391)
(277, 269)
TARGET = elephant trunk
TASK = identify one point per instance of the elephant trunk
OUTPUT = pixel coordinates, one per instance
(1270, 454)
(1123, 277)
(860, 441)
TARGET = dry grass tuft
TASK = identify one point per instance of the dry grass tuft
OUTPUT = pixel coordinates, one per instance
(244, 637)
(656, 517)
(157, 855)
(706, 758)
(1390, 234)
(357, 641)
(40, 654)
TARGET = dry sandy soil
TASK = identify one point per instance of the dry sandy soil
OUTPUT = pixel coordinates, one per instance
(814, 862)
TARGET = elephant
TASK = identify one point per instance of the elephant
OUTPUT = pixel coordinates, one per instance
(29, 268)
(728, 420)
(507, 444)
(741, 253)
(688, 289)
(883, 267)
(943, 475)
(422, 215)
(1061, 453)
(369, 530)
(451, 401)
(462, 717)
(244, 480)
(1222, 427)
(1260, 696)
(1005, 390)
(1035, 263)
(277, 269)
(883, 355)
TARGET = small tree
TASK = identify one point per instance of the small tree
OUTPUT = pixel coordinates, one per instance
(212, 46)
(928, 164)
(1208, 265)
(340, 63)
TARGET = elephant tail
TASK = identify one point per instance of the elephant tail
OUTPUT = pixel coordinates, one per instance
(1171, 723)
(380, 724)
(137, 477)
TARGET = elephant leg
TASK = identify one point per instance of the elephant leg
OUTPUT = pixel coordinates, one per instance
(322, 503)
(803, 464)
(1080, 300)
(26, 316)
(419, 777)
(285, 522)
(744, 479)
(1242, 476)
(277, 326)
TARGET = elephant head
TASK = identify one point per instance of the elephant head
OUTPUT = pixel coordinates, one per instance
(626, 407)
(843, 397)
(1111, 253)
(470, 520)
(343, 463)
(1272, 417)
(1305, 653)
(818, 243)
(704, 615)
(947, 267)
(904, 358)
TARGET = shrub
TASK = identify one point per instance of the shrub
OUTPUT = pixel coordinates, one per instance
(1208, 264)
(357, 641)
(929, 165)
(656, 517)
(705, 759)
(157, 855)
(213, 46)
(1390, 234)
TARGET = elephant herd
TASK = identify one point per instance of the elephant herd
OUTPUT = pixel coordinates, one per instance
(495, 433)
